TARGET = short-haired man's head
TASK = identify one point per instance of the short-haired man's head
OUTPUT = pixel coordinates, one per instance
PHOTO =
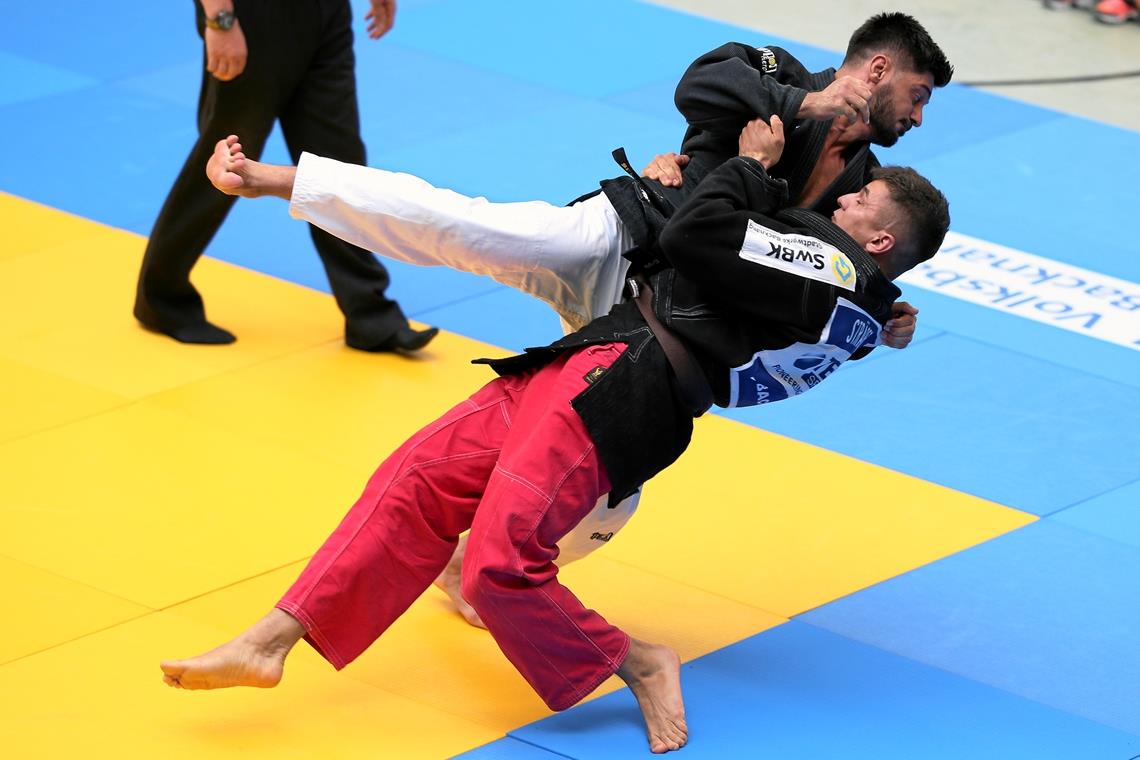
(911, 45)
(924, 214)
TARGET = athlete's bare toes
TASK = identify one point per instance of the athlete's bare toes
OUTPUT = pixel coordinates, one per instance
(220, 170)
(229, 170)
(451, 588)
(255, 658)
(449, 582)
(236, 663)
(653, 673)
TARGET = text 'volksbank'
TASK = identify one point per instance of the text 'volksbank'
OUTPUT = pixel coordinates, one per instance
(1086, 302)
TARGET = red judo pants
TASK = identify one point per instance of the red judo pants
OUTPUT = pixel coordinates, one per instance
(513, 463)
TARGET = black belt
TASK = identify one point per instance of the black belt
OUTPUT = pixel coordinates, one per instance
(652, 194)
(694, 388)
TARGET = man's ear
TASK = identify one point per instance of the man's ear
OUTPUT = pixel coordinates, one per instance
(881, 243)
(879, 67)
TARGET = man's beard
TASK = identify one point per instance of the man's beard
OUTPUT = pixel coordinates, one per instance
(883, 131)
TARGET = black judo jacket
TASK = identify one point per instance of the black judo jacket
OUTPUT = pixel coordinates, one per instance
(769, 300)
(718, 95)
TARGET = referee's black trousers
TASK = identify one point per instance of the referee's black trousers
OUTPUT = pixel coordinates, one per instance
(300, 70)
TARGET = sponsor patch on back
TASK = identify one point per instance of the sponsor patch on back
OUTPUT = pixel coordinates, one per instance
(779, 373)
(799, 255)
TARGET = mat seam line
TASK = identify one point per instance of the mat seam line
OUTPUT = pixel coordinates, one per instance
(151, 611)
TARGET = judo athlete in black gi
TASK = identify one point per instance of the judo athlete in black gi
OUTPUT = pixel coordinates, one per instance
(833, 116)
(741, 301)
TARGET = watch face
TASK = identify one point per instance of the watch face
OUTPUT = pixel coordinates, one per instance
(224, 20)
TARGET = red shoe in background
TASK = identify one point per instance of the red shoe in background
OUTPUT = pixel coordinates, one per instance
(1116, 11)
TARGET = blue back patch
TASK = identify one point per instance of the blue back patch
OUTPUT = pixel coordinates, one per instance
(775, 374)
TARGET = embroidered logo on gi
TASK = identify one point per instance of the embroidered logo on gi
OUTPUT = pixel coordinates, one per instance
(592, 376)
(767, 60)
(602, 536)
(842, 268)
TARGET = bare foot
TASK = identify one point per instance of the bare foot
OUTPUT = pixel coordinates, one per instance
(653, 673)
(229, 170)
(255, 658)
(449, 580)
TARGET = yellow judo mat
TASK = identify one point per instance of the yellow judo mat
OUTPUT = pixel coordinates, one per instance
(158, 498)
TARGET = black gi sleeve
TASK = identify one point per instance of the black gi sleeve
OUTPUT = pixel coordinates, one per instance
(728, 87)
(705, 238)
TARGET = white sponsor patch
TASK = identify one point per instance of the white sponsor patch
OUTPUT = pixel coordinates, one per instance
(1062, 295)
(799, 255)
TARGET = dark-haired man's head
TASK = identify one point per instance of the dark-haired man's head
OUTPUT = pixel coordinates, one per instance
(903, 65)
(899, 218)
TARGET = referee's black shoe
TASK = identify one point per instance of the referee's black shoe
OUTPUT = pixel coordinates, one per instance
(406, 339)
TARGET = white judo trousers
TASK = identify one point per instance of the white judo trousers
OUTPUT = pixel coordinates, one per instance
(566, 256)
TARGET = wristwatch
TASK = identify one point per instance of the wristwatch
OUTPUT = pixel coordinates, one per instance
(223, 21)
